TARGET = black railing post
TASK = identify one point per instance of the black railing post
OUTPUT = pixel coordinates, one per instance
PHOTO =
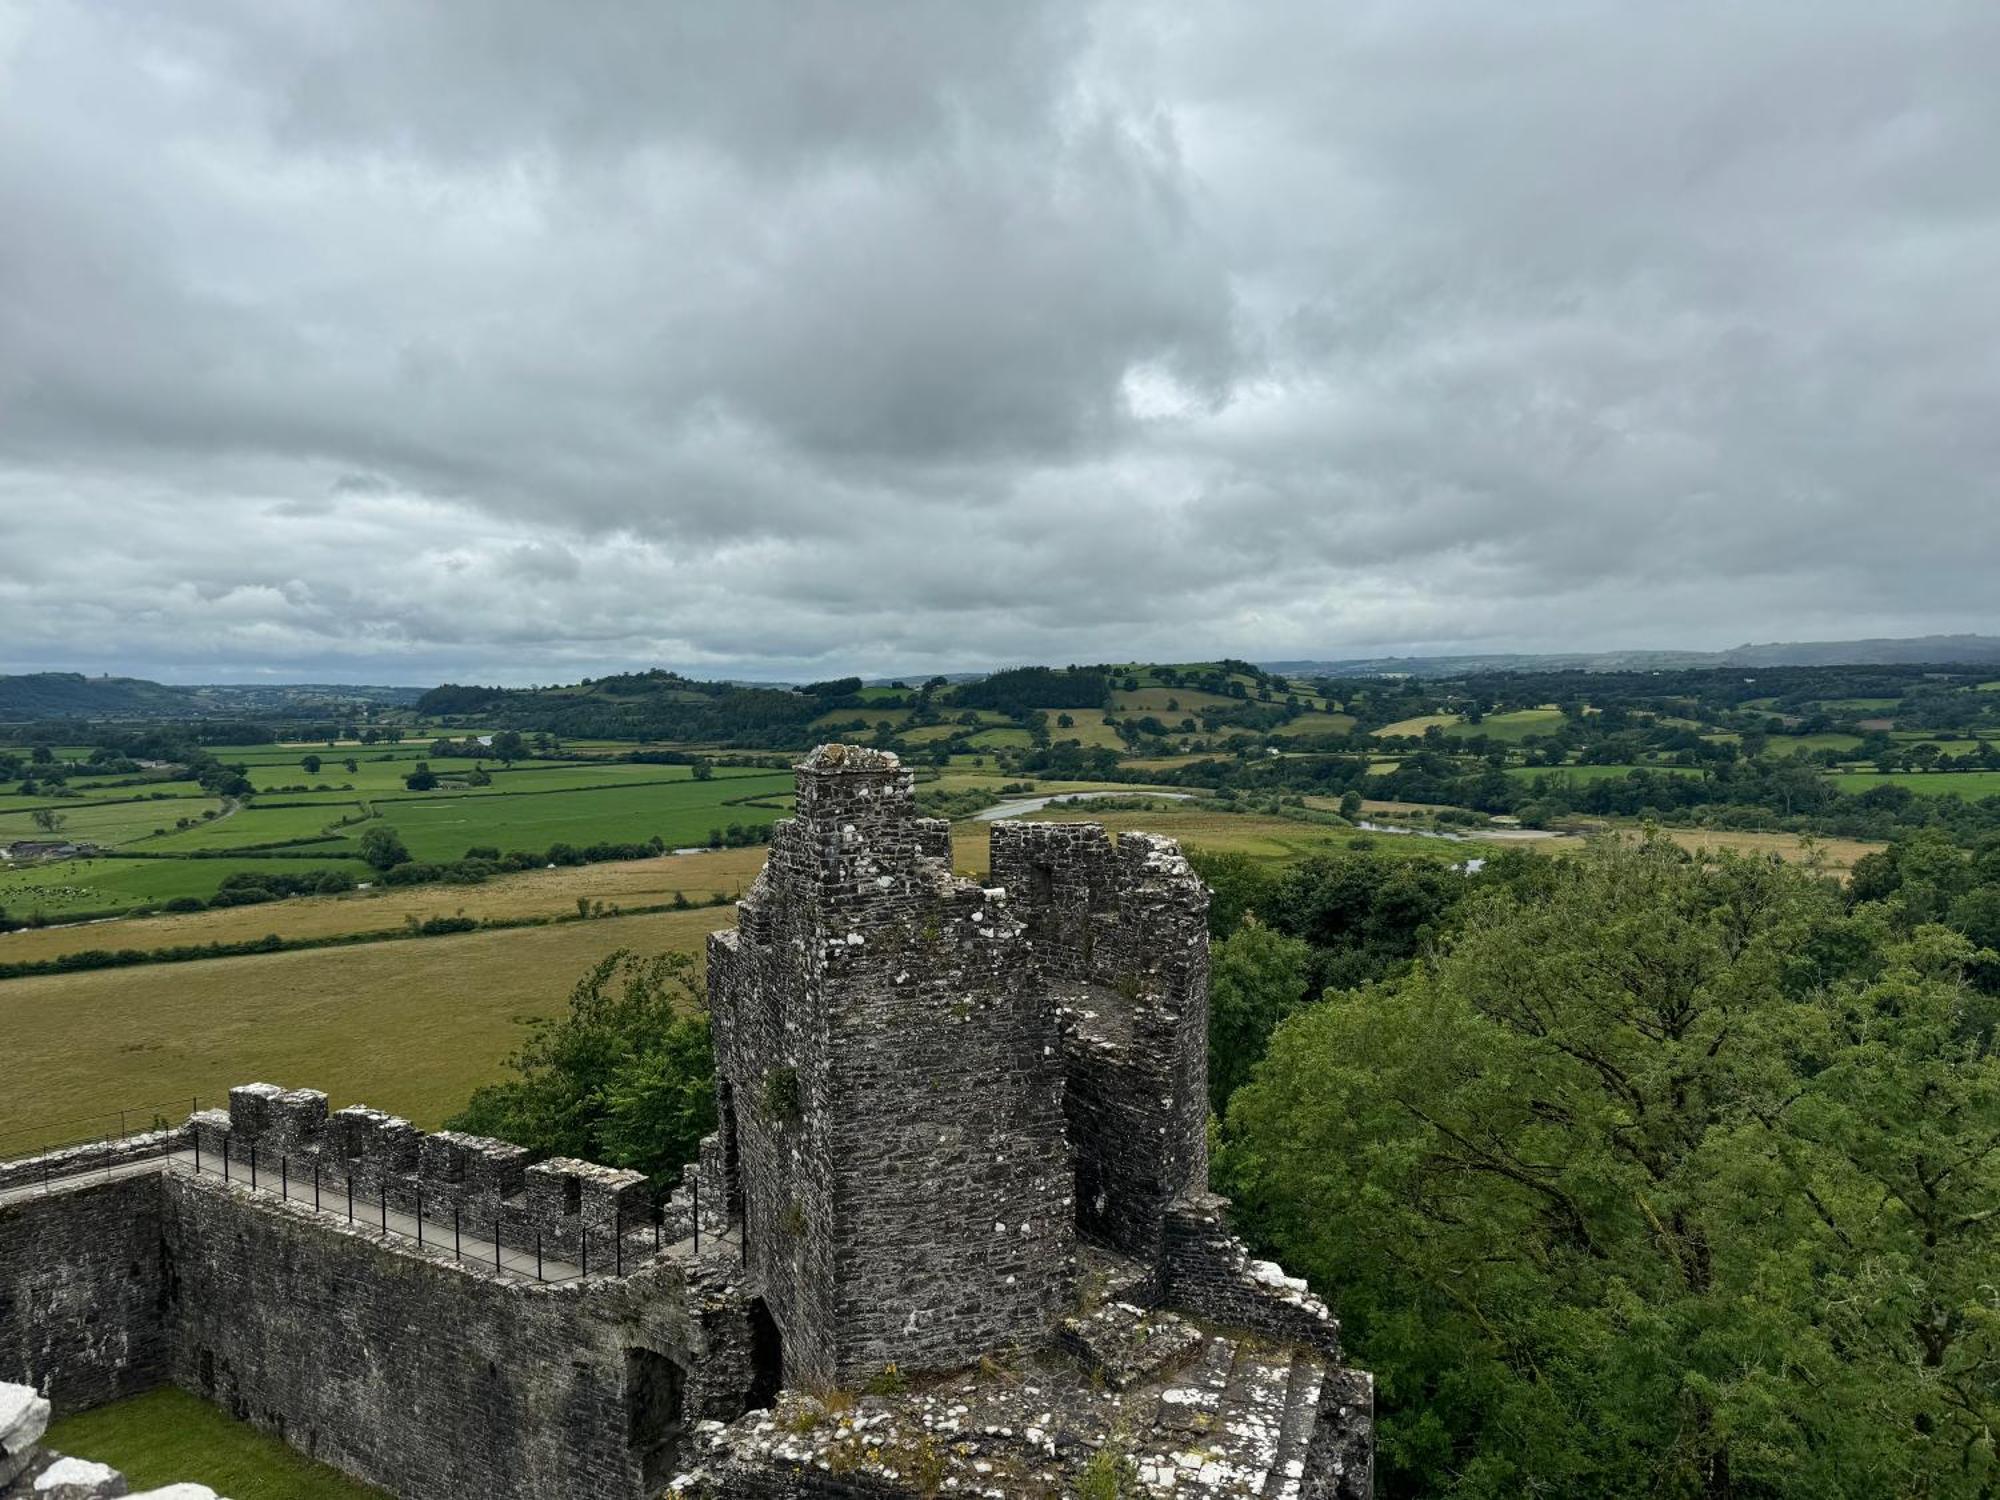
(586, 1247)
(121, 1124)
(496, 1239)
(253, 1166)
(455, 1247)
(225, 1158)
(538, 1255)
(385, 1205)
(285, 1177)
(617, 1250)
(197, 1151)
(694, 1186)
(350, 1193)
(315, 1184)
(420, 1216)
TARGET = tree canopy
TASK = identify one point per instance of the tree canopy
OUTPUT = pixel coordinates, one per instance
(1667, 1177)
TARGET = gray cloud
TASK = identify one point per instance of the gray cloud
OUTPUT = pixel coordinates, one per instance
(496, 341)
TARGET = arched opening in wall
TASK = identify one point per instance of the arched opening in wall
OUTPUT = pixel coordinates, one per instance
(767, 1355)
(654, 1387)
(572, 1195)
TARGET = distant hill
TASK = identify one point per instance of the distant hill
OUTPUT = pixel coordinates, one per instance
(35, 696)
(1943, 650)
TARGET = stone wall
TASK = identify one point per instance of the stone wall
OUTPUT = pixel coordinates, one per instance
(1207, 1270)
(84, 1291)
(385, 1161)
(891, 1090)
(439, 1380)
(1119, 942)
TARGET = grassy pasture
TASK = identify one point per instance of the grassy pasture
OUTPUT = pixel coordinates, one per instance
(996, 739)
(108, 822)
(1154, 700)
(681, 813)
(1581, 775)
(90, 885)
(1800, 744)
(1836, 855)
(1316, 723)
(167, 1436)
(1417, 725)
(532, 893)
(409, 1026)
(250, 826)
(1971, 785)
(1089, 730)
(1510, 728)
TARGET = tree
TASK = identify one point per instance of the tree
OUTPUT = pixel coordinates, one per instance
(383, 848)
(423, 779)
(625, 1076)
(311, 764)
(703, 771)
(350, 765)
(508, 746)
(48, 820)
(1671, 1177)
(1350, 804)
(1256, 979)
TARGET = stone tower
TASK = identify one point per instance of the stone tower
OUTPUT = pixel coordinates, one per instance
(892, 1079)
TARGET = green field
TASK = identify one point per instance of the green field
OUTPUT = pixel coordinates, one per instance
(1317, 723)
(1799, 744)
(112, 884)
(1415, 727)
(1580, 775)
(169, 1437)
(1971, 785)
(680, 812)
(1511, 728)
(107, 822)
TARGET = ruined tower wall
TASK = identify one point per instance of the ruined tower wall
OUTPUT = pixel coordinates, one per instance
(1120, 937)
(83, 1294)
(912, 1200)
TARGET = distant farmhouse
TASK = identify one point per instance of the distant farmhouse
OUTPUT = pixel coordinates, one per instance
(952, 1236)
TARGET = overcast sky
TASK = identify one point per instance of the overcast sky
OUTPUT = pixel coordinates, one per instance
(518, 342)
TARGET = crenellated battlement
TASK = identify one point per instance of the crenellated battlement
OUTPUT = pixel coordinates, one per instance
(491, 1188)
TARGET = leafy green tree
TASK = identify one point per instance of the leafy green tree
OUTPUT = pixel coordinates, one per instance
(1669, 1178)
(383, 848)
(311, 763)
(509, 747)
(1257, 977)
(423, 779)
(624, 1076)
(48, 820)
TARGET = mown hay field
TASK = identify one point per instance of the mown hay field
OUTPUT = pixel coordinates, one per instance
(533, 893)
(408, 1026)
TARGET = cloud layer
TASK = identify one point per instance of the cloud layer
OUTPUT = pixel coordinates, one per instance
(513, 342)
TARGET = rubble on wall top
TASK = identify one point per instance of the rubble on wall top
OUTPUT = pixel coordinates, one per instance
(839, 757)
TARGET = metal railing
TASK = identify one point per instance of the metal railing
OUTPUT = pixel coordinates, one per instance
(400, 1210)
(392, 1208)
(107, 1125)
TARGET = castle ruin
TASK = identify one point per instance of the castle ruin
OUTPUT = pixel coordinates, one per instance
(952, 1235)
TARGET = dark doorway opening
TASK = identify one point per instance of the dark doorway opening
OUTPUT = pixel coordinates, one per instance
(654, 1427)
(767, 1356)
